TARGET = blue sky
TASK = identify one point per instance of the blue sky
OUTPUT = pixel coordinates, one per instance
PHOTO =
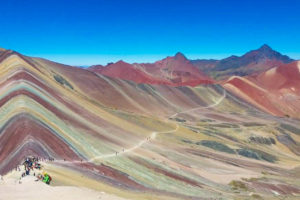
(96, 32)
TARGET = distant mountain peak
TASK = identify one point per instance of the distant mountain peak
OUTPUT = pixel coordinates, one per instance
(252, 62)
(121, 62)
(265, 47)
(180, 55)
(232, 57)
(2, 49)
(265, 51)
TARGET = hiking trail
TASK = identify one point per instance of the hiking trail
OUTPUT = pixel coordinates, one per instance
(151, 137)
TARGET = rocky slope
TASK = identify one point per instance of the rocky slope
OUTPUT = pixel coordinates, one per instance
(142, 141)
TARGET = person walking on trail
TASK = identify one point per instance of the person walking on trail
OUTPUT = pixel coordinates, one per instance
(47, 179)
(27, 170)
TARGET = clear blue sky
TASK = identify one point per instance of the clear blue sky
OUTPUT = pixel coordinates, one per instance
(97, 31)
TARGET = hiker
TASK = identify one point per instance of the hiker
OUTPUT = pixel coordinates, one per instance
(27, 170)
(37, 166)
(39, 177)
(47, 179)
(25, 163)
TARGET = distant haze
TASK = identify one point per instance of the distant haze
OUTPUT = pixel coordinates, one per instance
(87, 60)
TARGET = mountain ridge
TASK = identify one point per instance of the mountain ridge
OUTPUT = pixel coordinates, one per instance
(174, 70)
(275, 91)
(179, 70)
(95, 131)
(252, 62)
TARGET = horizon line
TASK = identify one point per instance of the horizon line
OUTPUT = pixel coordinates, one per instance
(103, 59)
(85, 60)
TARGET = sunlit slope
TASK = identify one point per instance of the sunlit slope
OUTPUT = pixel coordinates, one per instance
(141, 141)
(275, 91)
(127, 95)
(30, 96)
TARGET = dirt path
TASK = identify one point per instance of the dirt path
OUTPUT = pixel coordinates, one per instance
(151, 137)
(205, 107)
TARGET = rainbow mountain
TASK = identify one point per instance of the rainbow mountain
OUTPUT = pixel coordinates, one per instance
(146, 141)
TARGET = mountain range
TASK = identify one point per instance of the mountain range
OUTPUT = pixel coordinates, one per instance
(253, 62)
(166, 130)
(178, 70)
(239, 74)
(174, 70)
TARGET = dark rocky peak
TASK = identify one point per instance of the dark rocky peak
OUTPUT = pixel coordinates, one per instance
(180, 56)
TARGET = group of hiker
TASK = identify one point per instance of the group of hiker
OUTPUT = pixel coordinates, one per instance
(32, 164)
